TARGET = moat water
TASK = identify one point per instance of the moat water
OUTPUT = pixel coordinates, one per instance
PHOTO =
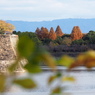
(84, 84)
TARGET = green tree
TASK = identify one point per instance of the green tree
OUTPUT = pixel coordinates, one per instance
(65, 35)
(58, 40)
(67, 41)
(79, 42)
(46, 41)
(90, 37)
(32, 36)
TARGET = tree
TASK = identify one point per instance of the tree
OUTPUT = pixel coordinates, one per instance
(31, 35)
(67, 41)
(38, 32)
(4, 26)
(66, 35)
(46, 41)
(42, 33)
(90, 37)
(52, 34)
(76, 33)
(59, 31)
(58, 40)
(79, 42)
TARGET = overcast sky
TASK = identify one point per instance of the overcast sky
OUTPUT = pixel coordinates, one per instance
(39, 10)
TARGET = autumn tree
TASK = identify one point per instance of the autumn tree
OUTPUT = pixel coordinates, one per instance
(4, 26)
(76, 33)
(42, 33)
(59, 31)
(52, 34)
(38, 32)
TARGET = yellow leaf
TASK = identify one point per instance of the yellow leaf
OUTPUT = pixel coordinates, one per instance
(68, 78)
(66, 61)
(49, 60)
(51, 79)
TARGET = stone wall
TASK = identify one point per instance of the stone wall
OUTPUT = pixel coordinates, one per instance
(7, 51)
(4, 64)
(8, 54)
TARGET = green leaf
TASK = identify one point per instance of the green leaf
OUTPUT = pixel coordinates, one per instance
(58, 74)
(2, 83)
(56, 91)
(13, 66)
(49, 60)
(25, 46)
(25, 83)
(66, 61)
(51, 79)
(32, 68)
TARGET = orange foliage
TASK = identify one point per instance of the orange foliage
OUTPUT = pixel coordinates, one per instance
(38, 32)
(4, 26)
(43, 33)
(76, 33)
(52, 34)
(59, 31)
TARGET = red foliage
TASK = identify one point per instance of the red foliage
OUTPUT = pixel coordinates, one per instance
(43, 33)
(52, 34)
(38, 32)
(59, 31)
(76, 33)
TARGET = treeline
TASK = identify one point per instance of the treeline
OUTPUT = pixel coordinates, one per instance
(58, 42)
(31, 35)
(57, 37)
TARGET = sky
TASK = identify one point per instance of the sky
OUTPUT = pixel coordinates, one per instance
(46, 10)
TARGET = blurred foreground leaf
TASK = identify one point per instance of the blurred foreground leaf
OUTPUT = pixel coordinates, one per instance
(13, 66)
(57, 91)
(66, 61)
(25, 83)
(49, 61)
(25, 46)
(51, 79)
(32, 68)
(2, 83)
(86, 59)
(68, 78)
